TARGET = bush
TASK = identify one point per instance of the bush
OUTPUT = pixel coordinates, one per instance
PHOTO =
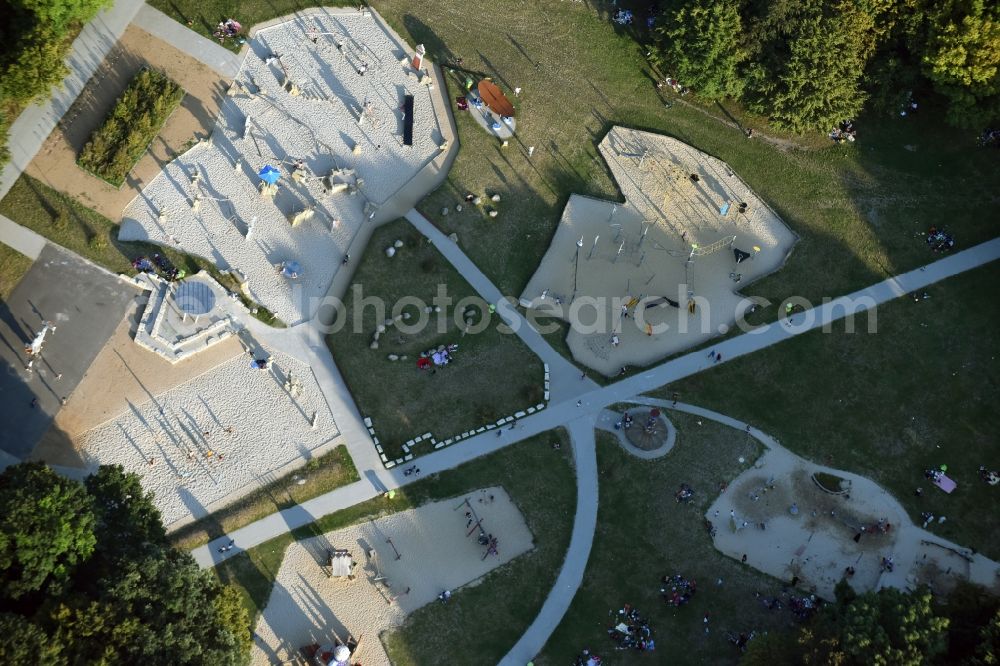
(61, 220)
(133, 123)
(829, 482)
(98, 242)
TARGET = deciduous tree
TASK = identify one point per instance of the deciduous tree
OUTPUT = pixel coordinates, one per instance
(46, 529)
(962, 60)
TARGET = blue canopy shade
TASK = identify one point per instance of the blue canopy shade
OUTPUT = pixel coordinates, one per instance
(269, 175)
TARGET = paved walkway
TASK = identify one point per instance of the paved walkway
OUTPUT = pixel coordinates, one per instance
(221, 59)
(565, 377)
(581, 431)
(22, 239)
(305, 342)
(578, 416)
(37, 121)
(982, 570)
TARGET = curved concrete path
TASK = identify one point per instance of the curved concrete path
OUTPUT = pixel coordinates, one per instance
(571, 396)
(983, 570)
(581, 431)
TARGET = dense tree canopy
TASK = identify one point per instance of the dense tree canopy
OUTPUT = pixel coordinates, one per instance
(962, 59)
(702, 41)
(88, 577)
(35, 36)
(808, 63)
(809, 71)
(884, 627)
(46, 529)
(890, 627)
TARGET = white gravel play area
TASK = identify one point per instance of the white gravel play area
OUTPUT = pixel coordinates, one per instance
(295, 100)
(213, 438)
(436, 554)
(669, 243)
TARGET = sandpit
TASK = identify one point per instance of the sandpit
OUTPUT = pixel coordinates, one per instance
(308, 607)
(669, 254)
(216, 436)
(304, 106)
(814, 543)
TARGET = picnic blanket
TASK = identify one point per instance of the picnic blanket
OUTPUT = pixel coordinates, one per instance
(945, 484)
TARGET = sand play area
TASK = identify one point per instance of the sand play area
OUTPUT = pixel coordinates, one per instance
(660, 273)
(216, 436)
(789, 527)
(435, 554)
(320, 100)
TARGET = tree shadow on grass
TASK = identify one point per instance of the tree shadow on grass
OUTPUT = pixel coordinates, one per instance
(421, 33)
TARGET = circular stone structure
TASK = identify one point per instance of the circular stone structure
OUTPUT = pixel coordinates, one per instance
(648, 431)
(194, 298)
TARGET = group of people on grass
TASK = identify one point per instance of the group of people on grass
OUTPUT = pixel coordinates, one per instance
(989, 476)
(939, 240)
(677, 590)
(159, 265)
(228, 29)
(434, 358)
(990, 137)
(844, 132)
(631, 631)
(803, 607)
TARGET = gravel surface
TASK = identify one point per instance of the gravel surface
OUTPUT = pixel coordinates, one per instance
(197, 462)
(265, 124)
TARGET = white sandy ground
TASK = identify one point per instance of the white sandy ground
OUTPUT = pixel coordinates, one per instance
(321, 127)
(817, 544)
(678, 214)
(307, 607)
(271, 429)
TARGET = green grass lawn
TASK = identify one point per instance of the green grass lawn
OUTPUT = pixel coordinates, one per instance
(540, 481)
(855, 206)
(69, 223)
(320, 475)
(643, 534)
(13, 266)
(203, 15)
(919, 393)
(492, 375)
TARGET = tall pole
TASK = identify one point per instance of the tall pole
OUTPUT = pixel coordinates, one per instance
(593, 247)
(576, 268)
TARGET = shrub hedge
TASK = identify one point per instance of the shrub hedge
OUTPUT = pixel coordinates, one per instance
(133, 123)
